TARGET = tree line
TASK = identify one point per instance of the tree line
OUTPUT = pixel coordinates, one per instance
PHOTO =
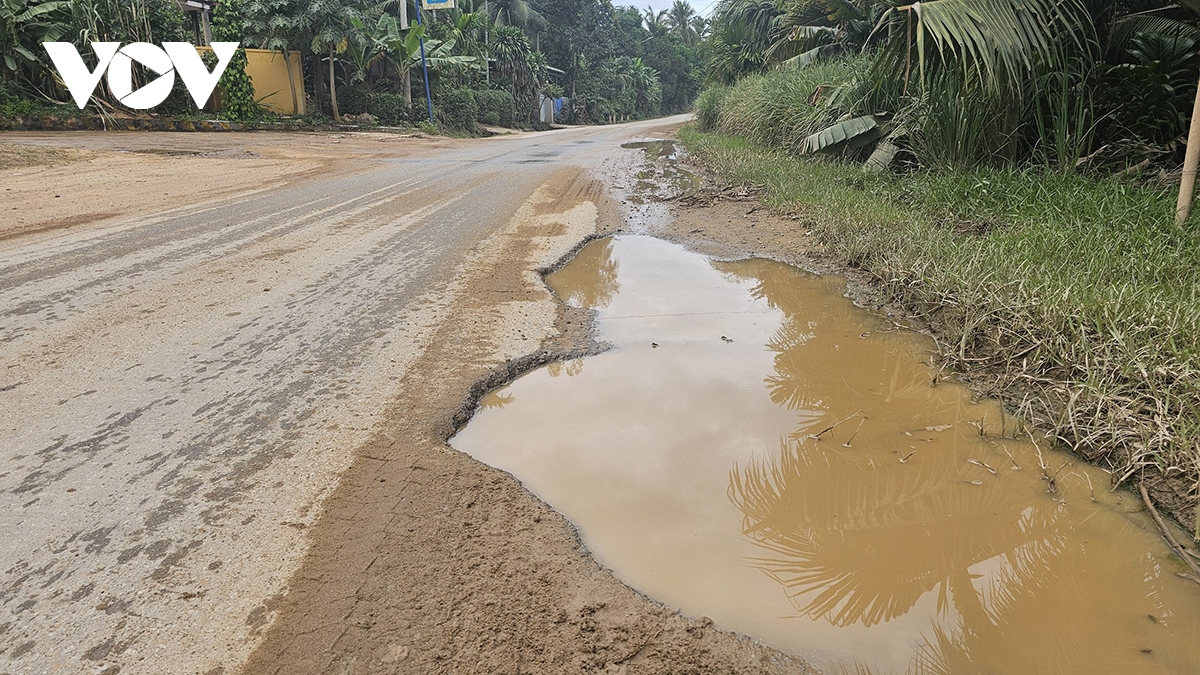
(489, 62)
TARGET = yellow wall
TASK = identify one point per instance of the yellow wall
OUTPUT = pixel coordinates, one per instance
(268, 73)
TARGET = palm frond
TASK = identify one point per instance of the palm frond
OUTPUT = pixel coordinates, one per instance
(1124, 28)
(994, 41)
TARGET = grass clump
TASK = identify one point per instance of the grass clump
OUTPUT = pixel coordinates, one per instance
(773, 109)
(1078, 293)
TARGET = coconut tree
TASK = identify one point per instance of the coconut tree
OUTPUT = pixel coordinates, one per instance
(679, 18)
(742, 34)
(519, 13)
(654, 19)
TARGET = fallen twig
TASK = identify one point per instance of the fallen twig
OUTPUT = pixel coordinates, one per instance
(855, 434)
(817, 436)
(1170, 538)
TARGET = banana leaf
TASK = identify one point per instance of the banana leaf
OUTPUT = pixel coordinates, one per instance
(852, 133)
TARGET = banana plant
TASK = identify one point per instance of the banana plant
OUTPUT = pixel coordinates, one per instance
(24, 25)
(402, 48)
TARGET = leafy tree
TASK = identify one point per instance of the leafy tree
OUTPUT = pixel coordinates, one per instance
(274, 25)
(331, 26)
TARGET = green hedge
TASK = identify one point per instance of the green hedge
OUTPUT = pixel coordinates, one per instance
(354, 99)
(496, 107)
(458, 110)
(390, 109)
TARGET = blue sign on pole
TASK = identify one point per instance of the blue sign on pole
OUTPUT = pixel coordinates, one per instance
(437, 4)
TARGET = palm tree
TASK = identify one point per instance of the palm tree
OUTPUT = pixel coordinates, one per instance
(654, 19)
(679, 19)
(994, 42)
(519, 64)
(742, 34)
(519, 13)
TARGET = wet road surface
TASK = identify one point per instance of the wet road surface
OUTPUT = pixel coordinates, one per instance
(179, 391)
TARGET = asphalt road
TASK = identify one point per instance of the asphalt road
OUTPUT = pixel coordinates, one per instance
(180, 390)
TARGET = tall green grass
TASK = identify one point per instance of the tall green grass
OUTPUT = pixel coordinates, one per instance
(1076, 291)
(772, 109)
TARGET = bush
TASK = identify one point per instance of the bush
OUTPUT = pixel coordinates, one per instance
(458, 110)
(353, 99)
(418, 113)
(708, 107)
(236, 91)
(773, 109)
(496, 107)
(389, 109)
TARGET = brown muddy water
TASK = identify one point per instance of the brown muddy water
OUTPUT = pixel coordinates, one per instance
(916, 535)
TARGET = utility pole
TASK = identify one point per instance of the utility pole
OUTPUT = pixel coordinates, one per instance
(424, 65)
(487, 52)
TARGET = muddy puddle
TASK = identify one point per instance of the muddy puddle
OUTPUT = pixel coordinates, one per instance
(757, 450)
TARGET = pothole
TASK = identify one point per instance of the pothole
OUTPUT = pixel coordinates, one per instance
(758, 450)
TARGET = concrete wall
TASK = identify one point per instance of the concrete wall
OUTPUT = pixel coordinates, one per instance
(268, 73)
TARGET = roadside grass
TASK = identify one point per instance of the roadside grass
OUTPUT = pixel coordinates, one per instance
(1078, 294)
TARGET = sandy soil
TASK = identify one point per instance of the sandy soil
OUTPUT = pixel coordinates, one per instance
(82, 181)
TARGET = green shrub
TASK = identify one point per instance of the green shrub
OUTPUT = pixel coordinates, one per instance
(773, 109)
(496, 107)
(389, 109)
(353, 99)
(708, 107)
(237, 93)
(458, 110)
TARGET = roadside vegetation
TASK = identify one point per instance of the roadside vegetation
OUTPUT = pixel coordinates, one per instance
(1006, 169)
(485, 67)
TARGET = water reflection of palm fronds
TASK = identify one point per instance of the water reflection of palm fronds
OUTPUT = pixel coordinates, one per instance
(854, 546)
(496, 400)
(570, 368)
(772, 281)
(788, 386)
(596, 291)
